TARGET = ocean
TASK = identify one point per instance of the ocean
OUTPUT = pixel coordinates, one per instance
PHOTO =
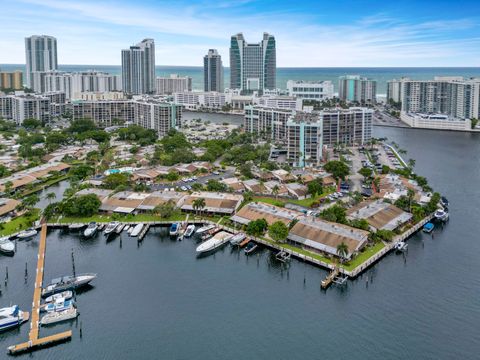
(382, 75)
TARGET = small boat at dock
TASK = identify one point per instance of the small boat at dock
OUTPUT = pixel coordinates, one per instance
(441, 215)
(401, 246)
(56, 317)
(237, 238)
(251, 247)
(59, 305)
(76, 226)
(67, 283)
(12, 316)
(205, 228)
(119, 228)
(174, 228)
(7, 247)
(67, 295)
(101, 226)
(110, 228)
(428, 228)
(190, 230)
(91, 229)
(137, 229)
(244, 242)
(27, 234)
(214, 242)
(127, 229)
(444, 201)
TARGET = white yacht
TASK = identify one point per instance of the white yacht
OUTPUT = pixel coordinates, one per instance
(12, 316)
(237, 238)
(26, 234)
(127, 228)
(137, 230)
(67, 283)
(214, 242)
(76, 226)
(190, 230)
(441, 215)
(91, 229)
(7, 247)
(205, 228)
(401, 246)
(67, 295)
(111, 227)
(55, 317)
(174, 229)
(119, 228)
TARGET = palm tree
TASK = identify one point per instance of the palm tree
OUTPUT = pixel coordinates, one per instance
(275, 190)
(51, 196)
(411, 163)
(342, 250)
(8, 186)
(198, 204)
(410, 196)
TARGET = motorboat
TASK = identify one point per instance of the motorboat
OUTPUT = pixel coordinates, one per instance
(441, 215)
(237, 238)
(12, 316)
(127, 228)
(428, 227)
(190, 230)
(7, 247)
(401, 246)
(101, 226)
(56, 317)
(26, 234)
(205, 228)
(111, 226)
(214, 242)
(137, 230)
(251, 247)
(67, 295)
(67, 283)
(444, 201)
(174, 228)
(76, 226)
(59, 305)
(119, 228)
(130, 229)
(91, 229)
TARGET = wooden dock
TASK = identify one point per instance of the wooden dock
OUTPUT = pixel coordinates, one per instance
(34, 341)
(330, 278)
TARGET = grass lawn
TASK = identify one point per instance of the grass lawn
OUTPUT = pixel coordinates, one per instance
(364, 256)
(20, 223)
(281, 202)
(122, 218)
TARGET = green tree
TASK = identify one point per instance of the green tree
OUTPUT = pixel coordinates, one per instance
(315, 187)
(342, 250)
(31, 124)
(172, 176)
(113, 181)
(278, 231)
(215, 185)
(335, 213)
(198, 204)
(8, 186)
(365, 172)
(81, 205)
(360, 224)
(51, 196)
(81, 171)
(338, 169)
(257, 227)
(275, 190)
(166, 209)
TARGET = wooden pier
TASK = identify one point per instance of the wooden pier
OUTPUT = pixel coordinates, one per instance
(34, 341)
(330, 278)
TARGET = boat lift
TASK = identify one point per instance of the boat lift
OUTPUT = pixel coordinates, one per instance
(283, 256)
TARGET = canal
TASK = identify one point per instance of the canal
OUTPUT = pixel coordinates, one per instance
(158, 300)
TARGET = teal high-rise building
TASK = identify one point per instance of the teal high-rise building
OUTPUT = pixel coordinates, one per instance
(353, 88)
(253, 67)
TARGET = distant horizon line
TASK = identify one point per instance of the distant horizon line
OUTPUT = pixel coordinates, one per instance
(288, 67)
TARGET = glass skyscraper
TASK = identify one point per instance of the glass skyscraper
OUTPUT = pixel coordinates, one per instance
(41, 55)
(138, 68)
(212, 71)
(253, 67)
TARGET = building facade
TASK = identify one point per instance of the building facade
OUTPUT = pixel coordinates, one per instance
(173, 84)
(11, 80)
(138, 68)
(453, 96)
(212, 71)
(310, 90)
(158, 116)
(252, 66)
(23, 106)
(269, 123)
(41, 55)
(353, 88)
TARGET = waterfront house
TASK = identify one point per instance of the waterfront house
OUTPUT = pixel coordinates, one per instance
(257, 210)
(7, 208)
(323, 237)
(380, 215)
(298, 191)
(215, 203)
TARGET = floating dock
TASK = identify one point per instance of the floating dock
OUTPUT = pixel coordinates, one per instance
(330, 278)
(34, 342)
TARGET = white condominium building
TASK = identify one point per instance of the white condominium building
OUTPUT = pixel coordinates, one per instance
(138, 68)
(310, 90)
(23, 106)
(354, 88)
(173, 84)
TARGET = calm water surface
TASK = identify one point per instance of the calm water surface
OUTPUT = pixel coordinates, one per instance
(158, 301)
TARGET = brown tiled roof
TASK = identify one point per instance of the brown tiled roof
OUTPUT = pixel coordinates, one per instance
(7, 205)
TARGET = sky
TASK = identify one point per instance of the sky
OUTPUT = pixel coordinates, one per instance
(341, 33)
